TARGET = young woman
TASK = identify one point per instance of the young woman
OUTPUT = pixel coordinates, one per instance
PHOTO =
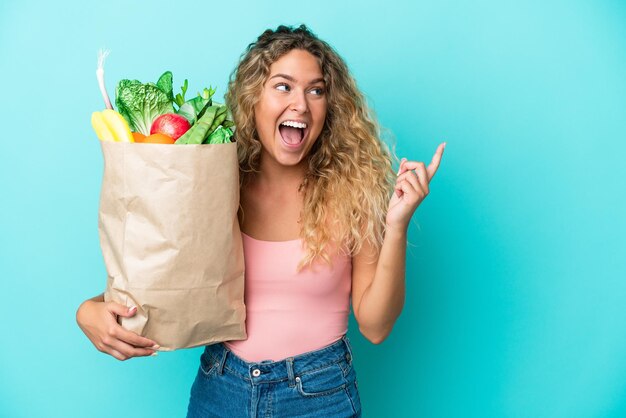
(324, 222)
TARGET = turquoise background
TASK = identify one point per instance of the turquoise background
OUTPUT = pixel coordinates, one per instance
(515, 279)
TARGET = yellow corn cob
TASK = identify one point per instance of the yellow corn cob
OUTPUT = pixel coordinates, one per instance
(111, 126)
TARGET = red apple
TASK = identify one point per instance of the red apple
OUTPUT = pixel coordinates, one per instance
(170, 124)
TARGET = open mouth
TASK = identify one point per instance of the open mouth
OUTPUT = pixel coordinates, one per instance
(293, 133)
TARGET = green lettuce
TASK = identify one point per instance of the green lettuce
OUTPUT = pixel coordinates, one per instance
(220, 136)
(141, 103)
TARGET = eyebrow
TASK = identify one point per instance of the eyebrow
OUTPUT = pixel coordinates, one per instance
(290, 78)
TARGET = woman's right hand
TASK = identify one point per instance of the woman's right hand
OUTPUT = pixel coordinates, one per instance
(98, 320)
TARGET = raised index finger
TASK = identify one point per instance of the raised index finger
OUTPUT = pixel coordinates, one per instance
(434, 163)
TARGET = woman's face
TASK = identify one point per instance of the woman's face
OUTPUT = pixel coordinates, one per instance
(293, 92)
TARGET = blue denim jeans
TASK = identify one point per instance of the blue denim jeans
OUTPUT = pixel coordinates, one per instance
(320, 383)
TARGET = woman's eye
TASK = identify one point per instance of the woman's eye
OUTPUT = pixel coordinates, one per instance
(318, 91)
(279, 86)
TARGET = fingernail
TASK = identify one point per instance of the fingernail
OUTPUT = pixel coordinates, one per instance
(132, 309)
(156, 353)
(155, 347)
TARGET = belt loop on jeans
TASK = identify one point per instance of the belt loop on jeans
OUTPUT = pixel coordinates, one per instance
(220, 368)
(348, 347)
(289, 362)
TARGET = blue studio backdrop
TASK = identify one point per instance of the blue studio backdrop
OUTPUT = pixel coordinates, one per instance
(516, 272)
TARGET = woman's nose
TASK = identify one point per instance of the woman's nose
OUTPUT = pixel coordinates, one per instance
(299, 103)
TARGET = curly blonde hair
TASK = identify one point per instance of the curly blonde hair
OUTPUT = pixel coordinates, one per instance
(349, 179)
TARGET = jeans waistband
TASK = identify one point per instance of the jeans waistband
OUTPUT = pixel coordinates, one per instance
(273, 371)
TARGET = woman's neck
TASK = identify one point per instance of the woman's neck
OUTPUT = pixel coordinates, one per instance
(277, 177)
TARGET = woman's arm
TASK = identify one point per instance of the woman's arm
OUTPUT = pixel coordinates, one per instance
(378, 283)
(378, 286)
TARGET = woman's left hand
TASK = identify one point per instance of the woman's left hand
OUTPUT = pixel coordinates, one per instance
(411, 189)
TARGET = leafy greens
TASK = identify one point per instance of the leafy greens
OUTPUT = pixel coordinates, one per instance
(141, 103)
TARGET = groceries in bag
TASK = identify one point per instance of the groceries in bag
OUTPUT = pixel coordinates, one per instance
(167, 220)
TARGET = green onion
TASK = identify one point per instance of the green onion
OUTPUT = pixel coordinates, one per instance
(102, 54)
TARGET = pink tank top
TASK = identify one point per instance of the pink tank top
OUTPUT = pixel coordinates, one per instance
(290, 313)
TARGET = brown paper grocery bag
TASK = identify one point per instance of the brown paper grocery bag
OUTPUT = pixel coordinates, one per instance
(171, 241)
